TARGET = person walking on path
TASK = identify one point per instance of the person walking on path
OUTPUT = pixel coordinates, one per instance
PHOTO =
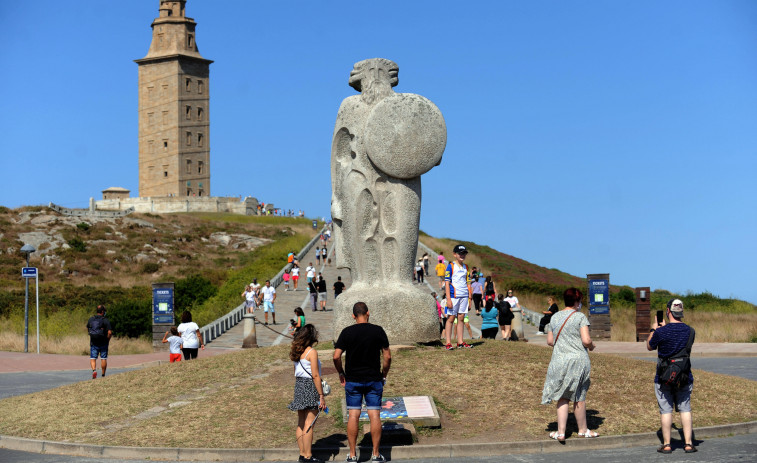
(191, 337)
(569, 373)
(249, 299)
(268, 294)
(322, 291)
(313, 288)
(365, 376)
(673, 340)
(308, 390)
(174, 345)
(318, 255)
(478, 292)
(457, 291)
(489, 325)
(295, 275)
(338, 287)
(100, 332)
(425, 263)
(512, 300)
(419, 271)
(490, 289)
(310, 271)
(505, 317)
(440, 268)
(551, 310)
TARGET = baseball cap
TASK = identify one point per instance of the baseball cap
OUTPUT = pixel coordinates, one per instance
(460, 249)
(676, 307)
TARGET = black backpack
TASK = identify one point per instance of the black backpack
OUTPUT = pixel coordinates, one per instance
(97, 326)
(674, 371)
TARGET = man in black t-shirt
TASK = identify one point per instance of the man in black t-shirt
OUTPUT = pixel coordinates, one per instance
(365, 376)
(338, 287)
(100, 331)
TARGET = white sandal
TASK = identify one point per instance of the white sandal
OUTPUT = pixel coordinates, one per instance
(588, 433)
(558, 437)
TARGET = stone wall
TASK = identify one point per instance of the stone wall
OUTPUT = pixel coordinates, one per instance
(169, 204)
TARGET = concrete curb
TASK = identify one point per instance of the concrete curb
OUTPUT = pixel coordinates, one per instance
(332, 453)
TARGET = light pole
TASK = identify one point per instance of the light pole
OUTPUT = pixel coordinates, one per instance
(27, 250)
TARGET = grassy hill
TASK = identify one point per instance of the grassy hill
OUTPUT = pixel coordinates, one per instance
(84, 262)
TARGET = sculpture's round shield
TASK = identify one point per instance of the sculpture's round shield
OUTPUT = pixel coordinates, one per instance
(405, 135)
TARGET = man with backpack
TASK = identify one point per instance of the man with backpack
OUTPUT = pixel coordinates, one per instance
(100, 333)
(673, 381)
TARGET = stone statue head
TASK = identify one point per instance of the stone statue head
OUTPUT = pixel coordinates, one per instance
(374, 78)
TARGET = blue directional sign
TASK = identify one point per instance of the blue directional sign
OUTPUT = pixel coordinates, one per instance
(29, 272)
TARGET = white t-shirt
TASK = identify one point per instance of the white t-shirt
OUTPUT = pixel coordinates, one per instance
(311, 271)
(174, 344)
(250, 296)
(188, 332)
(295, 271)
(268, 292)
(255, 286)
(512, 300)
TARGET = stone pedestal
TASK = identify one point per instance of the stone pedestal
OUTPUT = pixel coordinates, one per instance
(517, 325)
(406, 312)
(248, 331)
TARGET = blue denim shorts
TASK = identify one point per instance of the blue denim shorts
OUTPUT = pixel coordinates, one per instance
(94, 351)
(371, 390)
(667, 398)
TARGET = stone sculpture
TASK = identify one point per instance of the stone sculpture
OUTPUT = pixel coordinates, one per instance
(383, 142)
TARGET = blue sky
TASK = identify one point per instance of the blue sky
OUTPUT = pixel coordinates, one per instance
(588, 136)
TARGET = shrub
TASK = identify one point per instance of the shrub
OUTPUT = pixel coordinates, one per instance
(194, 289)
(83, 226)
(77, 244)
(626, 294)
(131, 317)
(150, 267)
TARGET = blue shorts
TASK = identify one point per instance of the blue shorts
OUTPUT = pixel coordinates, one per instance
(268, 306)
(94, 351)
(371, 390)
(667, 398)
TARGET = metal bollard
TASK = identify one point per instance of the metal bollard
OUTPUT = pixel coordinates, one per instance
(250, 335)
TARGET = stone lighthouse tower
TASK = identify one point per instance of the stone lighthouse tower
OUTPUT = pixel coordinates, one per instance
(174, 121)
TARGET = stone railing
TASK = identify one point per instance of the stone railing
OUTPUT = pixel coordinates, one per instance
(90, 212)
(217, 327)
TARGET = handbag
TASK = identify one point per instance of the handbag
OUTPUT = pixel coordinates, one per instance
(326, 387)
(674, 371)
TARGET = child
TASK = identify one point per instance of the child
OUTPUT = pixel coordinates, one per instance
(174, 346)
(286, 279)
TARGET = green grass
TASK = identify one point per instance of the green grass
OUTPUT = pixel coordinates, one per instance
(259, 219)
(263, 263)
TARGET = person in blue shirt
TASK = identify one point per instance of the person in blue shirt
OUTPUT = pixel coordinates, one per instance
(489, 324)
(669, 339)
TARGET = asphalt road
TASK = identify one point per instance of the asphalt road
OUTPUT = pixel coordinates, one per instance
(728, 449)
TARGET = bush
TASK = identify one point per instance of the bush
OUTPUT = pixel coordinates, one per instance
(626, 295)
(83, 226)
(131, 317)
(150, 267)
(77, 244)
(192, 290)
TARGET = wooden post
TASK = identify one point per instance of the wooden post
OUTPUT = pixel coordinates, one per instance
(643, 320)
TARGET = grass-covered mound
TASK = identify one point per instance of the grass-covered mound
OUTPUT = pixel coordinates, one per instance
(238, 400)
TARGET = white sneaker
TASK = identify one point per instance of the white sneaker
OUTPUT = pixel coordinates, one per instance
(539, 333)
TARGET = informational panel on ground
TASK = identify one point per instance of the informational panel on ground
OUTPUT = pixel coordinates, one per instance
(420, 410)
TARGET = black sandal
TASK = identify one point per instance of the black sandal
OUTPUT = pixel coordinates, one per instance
(689, 448)
(665, 448)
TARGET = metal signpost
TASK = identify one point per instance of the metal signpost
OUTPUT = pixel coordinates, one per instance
(599, 305)
(162, 311)
(29, 272)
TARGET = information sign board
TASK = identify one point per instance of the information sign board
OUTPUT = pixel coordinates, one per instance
(29, 272)
(599, 296)
(162, 304)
